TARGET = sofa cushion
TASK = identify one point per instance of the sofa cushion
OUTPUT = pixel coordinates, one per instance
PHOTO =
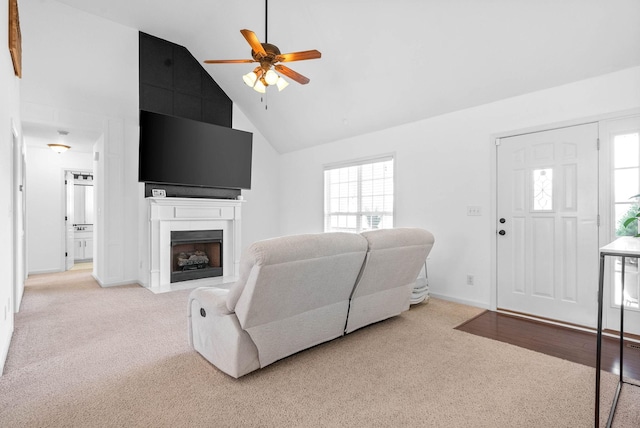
(392, 265)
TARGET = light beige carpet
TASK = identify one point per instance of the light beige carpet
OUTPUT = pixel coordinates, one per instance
(84, 356)
(82, 266)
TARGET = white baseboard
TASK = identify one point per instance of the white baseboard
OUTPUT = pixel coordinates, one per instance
(477, 304)
(18, 301)
(117, 283)
(4, 350)
(40, 271)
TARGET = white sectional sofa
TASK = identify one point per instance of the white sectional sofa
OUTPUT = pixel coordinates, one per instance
(295, 292)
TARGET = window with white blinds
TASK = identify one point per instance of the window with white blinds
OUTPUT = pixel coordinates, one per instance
(359, 196)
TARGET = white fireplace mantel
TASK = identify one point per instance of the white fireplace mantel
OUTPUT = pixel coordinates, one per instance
(173, 214)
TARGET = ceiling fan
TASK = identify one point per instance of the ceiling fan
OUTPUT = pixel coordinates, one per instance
(269, 57)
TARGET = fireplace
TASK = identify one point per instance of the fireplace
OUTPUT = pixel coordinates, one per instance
(196, 254)
(167, 215)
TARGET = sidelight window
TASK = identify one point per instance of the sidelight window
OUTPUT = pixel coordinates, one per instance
(626, 183)
(626, 178)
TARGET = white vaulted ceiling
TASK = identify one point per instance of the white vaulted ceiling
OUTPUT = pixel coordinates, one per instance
(385, 63)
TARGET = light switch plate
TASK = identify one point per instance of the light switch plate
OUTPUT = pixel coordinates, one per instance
(474, 210)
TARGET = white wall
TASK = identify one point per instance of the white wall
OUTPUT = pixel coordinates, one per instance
(9, 118)
(443, 165)
(46, 204)
(71, 58)
(260, 214)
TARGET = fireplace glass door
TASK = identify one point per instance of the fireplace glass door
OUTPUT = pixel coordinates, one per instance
(196, 254)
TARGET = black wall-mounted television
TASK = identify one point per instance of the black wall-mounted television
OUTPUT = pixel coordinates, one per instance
(186, 152)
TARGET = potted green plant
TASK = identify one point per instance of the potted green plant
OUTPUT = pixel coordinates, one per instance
(629, 224)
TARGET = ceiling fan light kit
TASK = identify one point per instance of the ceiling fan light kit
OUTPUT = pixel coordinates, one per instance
(271, 77)
(281, 83)
(252, 77)
(260, 86)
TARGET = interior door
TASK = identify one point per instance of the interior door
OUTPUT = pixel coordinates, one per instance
(547, 206)
(19, 222)
(69, 221)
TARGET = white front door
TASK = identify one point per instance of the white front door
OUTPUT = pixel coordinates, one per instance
(547, 206)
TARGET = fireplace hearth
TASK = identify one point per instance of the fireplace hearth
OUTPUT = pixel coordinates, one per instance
(196, 254)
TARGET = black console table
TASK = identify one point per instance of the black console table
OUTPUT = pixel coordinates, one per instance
(624, 247)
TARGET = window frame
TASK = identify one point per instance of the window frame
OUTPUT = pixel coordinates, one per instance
(358, 213)
(613, 169)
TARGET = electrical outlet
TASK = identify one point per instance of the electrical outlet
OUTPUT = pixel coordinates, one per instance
(470, 279)
(474, 210)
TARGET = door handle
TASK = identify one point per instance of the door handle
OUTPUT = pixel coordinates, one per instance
(502, 232)
(502, 220)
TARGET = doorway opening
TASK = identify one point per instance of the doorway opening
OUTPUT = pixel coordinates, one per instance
(79, 219)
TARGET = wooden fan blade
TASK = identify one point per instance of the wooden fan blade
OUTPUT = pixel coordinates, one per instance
(299, 56)
(228, 61)
(292, 74)
(253, 41)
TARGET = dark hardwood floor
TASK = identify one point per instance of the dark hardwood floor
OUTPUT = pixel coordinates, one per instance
(562, 342)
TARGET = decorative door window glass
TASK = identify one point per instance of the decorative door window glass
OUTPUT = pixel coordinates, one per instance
(543, 189)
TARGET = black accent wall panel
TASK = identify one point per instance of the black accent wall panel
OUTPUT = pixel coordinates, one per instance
(156, 60)
(212, 110)
(212, 92)
(188, 79)
(188, 106)
(173, 82)
(156, 99)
